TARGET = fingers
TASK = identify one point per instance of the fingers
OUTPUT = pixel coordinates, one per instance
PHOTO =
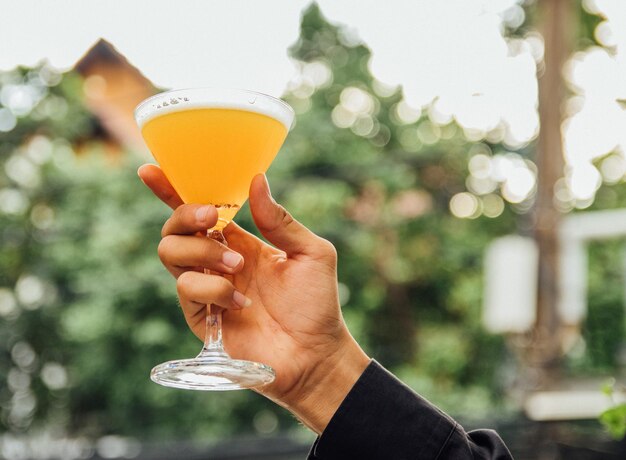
(182, 249)
(282, 230)
(182, 253)
(190, 219)
(155, 179)
(196, 290)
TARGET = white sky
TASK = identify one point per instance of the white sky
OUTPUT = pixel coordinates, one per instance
(452, 50)
(244, 43)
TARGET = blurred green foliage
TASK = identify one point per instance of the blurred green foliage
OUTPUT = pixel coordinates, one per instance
(87, 309)
(606, 309)
(614, 418)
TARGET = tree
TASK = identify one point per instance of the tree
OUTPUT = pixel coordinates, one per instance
(376, 178)
(88, 310)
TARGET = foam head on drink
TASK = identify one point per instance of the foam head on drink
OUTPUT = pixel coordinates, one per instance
(211, 151)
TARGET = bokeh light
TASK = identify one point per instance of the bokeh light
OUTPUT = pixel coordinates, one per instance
(469, 69)
(508, 172)
(465, 205)
(595, 124)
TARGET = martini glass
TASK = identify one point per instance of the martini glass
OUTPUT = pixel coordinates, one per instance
(210, 143)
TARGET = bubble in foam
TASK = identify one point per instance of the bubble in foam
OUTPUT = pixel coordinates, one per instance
(214, 98)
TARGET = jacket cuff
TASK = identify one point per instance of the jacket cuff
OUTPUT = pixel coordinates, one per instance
(381, 414)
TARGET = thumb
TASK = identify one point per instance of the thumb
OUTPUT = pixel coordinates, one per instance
(280, 228)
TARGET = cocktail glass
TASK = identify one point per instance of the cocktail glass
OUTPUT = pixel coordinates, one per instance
(210, 143)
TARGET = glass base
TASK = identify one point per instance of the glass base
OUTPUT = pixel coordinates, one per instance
(212, 374)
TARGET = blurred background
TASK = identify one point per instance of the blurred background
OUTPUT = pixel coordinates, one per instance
(466, 158)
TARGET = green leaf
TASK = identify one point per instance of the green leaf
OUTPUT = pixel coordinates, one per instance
(614, 420)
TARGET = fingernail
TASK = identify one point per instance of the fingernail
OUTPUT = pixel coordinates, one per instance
(202, 213)
(231, 259)
(241, 300)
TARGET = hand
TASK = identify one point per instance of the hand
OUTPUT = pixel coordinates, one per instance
(292, 320)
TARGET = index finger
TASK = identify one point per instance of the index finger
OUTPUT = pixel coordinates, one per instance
(155, 179)
(189, 219)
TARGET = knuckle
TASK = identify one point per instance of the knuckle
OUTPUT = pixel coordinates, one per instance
(165, 228)
(184, 283)
(167, 195)
(187, 214)
(165, 247)
(180, 211)
(327, 249)
(282, 219)
(286, 219)
(179, 217)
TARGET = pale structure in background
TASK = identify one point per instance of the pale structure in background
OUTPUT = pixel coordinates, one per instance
(510, 293)
(510, 303)
(112, 89)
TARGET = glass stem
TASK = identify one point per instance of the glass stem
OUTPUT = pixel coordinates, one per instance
(213, 345)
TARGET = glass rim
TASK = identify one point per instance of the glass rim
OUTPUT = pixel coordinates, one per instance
(174, 100)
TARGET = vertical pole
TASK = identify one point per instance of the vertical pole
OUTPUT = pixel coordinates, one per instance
(556, 28)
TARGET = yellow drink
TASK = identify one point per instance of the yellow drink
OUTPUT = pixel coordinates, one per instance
(211, 154)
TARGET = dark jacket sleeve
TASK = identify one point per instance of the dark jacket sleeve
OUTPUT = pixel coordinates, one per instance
(381, 418)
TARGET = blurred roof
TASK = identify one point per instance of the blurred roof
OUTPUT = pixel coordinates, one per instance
(113, 87)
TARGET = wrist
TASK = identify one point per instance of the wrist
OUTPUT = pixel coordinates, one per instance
(327, 384)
